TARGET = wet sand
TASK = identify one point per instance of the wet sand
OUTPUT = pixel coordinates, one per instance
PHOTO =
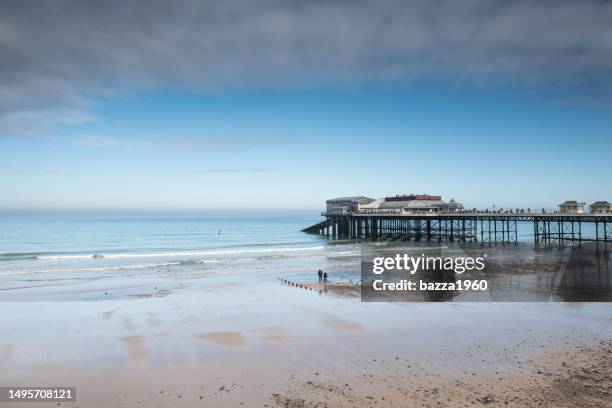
(254, 340)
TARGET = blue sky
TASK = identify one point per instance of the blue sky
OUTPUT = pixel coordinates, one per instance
(231, 106)
(293, 149)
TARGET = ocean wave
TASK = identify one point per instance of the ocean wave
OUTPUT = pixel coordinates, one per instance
(96, 269)
(188, 262)
(171, 254)
(9, 256)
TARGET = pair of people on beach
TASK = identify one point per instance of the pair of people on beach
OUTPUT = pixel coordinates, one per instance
(322, 276)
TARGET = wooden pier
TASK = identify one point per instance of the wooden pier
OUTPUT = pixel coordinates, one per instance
(487, 228)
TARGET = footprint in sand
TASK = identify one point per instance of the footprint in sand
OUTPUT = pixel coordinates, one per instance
(136, 348)
(230, 339)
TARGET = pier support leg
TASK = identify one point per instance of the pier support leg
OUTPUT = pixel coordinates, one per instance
(515, 232)
(481, 232)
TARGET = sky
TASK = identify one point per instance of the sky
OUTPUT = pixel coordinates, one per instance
(280, 105)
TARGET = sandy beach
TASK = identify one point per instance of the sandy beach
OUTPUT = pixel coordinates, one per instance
(254, 340)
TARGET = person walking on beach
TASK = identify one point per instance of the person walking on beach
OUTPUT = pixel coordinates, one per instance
(320, 273)
(325, 277)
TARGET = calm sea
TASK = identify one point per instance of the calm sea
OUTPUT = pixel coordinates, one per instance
(47, 246)
(43, 247)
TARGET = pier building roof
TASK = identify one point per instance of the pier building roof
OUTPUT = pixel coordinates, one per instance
(355, 199)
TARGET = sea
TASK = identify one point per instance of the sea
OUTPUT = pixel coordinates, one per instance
(44, 248)
(47, 246)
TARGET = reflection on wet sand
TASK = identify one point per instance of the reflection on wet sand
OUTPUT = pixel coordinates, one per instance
(128, 324)
(157, 293)
(136, 348)
(231, 339)
(274, 333)
(587, 275)
(342, 325)
(141, 296)
(153, 322)
(514, 273)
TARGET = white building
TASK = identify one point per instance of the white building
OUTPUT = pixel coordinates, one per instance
(410, 204)
(571, 207)
(601, 207)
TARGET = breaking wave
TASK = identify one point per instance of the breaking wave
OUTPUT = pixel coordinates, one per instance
(63, 256)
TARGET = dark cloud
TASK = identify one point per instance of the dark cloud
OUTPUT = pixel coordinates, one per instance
(57, 55)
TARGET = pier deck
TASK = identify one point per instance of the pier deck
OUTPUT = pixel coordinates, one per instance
(487, 228)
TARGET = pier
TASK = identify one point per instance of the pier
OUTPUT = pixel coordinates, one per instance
(484, 227)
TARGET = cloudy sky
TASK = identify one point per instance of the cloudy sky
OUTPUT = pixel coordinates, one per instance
(267, 104)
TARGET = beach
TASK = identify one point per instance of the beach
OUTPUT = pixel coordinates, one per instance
(235, 333)
(219, 342)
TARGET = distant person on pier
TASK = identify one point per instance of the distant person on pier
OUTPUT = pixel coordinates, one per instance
(325, 277)
(320, 273)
